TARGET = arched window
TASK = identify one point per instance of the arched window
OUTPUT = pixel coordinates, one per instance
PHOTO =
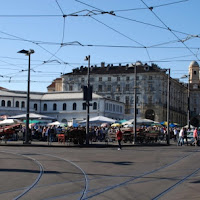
(54, 106)
(84, 106)
(8, 103)
(74, 106)
(35, 106)
(17, 104)
(3, 103)
(64, 106)
(64, 121)
(45, 107)
(150, 114)
(23, 104)
(94, 105)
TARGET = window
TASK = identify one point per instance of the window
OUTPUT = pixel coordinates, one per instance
(3, 103)
(127, 78)
(109, 88)
(118, 88)
(23, 104)
(82, 79)
(100, 88)
(74, 106)
(113, 107)
(195, 72)
(54, 106)
(127, 99)
(117, 98)
(45, 107)
(35, 106)
(95, 106)
(127, 87)
(118, 78)
(71, 88)
(64, 106)
(150, 77)
(17, 104)
(150, 99)
(84, 106)
(109, 78)
(100, 78)
(9, 104)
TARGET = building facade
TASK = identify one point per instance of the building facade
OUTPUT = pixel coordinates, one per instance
(117, 83)
(194, 93)
(64, 106)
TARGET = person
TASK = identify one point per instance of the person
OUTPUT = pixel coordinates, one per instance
(181, 136)
(195, 136)
(175, 134)
(119, 138)
(185, 135)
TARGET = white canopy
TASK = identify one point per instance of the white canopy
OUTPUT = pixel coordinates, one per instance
(10, 122)
(31, 116)
(99, 120)
(56, 123)
(139, 121)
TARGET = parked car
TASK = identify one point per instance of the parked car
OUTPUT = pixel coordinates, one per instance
(190, 138)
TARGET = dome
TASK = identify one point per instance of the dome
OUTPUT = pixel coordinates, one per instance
(194, 64)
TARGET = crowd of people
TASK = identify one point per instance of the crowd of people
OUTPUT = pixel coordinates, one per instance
(100, 134)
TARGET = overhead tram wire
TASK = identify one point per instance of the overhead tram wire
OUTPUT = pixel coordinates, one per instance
(156, 6)
(151, 9)
(149, 24)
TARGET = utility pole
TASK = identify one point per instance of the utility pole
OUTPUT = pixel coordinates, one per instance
(168, 107)
(27, 53)
(88, 98)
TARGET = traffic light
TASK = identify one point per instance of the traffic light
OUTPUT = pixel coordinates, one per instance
(87, 93)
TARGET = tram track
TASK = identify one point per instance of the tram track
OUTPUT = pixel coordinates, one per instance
(97, 193)
(124, 183)
(27, 189)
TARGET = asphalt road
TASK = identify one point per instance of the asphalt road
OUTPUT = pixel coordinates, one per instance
(135, 172)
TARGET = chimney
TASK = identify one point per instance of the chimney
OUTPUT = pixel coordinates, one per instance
(102, 64)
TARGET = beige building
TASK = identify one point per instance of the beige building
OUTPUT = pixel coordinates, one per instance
(194, 93)
(117, 82)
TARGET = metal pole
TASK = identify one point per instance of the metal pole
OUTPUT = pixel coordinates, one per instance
(135, 105)
(28, 100)
(188, 114)
(88, 103)
(168, 105)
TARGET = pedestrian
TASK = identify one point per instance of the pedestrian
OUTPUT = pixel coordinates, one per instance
(181, 136)
(185, 135)
(175, 134)
(195, 136)
(119, 138)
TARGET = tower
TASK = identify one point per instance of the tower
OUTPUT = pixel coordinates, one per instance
(194, 72)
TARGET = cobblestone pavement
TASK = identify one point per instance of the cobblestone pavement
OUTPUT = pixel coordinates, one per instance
(43, 172)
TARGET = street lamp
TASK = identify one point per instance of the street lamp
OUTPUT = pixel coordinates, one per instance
(88, 98)
(168, 105)
(138, 63)
(188, 100)
(27, 53)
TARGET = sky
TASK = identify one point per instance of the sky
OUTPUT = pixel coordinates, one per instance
(63, 32)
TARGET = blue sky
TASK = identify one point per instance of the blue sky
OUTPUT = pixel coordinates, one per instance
(90, 28)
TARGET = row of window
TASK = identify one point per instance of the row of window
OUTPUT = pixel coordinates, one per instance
(35, 106)
(8, 104)
(113, 107)
(118, 78)
(74, 106)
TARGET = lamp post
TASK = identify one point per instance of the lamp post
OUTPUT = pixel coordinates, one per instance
(168, 105)
(188, 99)
(27, 53)
(87, 58)
(138, 63)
